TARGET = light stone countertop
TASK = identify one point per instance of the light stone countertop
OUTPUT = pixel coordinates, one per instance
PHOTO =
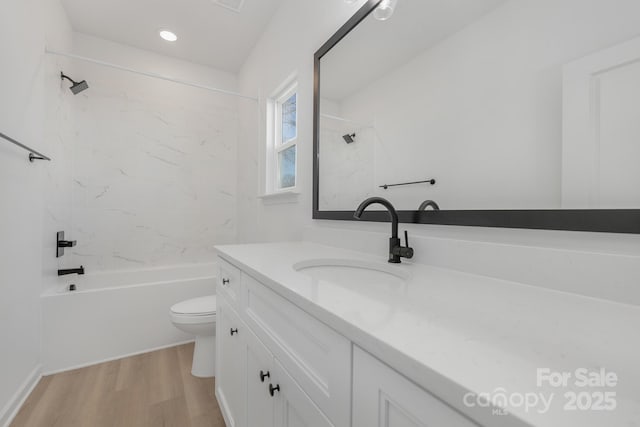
(454, 333)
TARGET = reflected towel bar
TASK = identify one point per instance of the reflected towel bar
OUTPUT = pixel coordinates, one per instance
(430, 181)
(33, 154)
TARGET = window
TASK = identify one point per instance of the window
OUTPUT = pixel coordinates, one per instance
(282, 139)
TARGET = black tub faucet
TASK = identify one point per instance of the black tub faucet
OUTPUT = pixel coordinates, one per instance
(64, 272)
(396, 250)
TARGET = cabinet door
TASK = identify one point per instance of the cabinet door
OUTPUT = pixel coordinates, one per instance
(293, 407)
(230, 365)
(260, 404)
(384, 398)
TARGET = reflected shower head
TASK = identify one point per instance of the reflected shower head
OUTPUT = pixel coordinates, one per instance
(349, 138)
(76, 87)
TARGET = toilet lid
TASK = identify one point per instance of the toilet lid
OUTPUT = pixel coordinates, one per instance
(196, 307)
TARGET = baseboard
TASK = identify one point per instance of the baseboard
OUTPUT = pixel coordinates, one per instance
(110, 359)
(224, 408)
(11, 409)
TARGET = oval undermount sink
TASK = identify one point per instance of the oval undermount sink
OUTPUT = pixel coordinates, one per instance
(352, 272)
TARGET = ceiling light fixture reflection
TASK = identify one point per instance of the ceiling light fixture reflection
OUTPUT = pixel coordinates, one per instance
(385, 10)
(168, 35)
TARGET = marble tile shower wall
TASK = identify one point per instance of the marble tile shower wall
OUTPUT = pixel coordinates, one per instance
(152, 179)
(59, 135)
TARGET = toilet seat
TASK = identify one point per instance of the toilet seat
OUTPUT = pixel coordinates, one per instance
(203, 306)
(190, 319)
(197, 310)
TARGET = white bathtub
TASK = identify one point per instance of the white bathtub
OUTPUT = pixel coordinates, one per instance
(116, 314)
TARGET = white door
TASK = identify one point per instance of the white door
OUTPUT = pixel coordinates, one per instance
(260, 403)
(384, 398)
(601, 119)
(230, 365)
(293, 407)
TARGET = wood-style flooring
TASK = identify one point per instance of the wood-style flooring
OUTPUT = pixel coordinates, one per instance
(152, 389)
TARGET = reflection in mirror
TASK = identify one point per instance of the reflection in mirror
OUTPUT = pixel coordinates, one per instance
(507, 104)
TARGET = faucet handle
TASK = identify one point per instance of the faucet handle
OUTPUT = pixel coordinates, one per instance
(406, 252)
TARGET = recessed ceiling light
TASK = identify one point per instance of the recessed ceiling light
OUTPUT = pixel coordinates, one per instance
(168, 35)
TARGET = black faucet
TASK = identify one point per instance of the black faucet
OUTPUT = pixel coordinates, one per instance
(64, 272)
(396, 250)
(429, 203)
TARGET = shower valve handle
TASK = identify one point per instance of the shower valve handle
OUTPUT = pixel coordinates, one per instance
(66, 243)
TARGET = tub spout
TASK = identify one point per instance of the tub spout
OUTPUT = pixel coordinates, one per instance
(64, 272)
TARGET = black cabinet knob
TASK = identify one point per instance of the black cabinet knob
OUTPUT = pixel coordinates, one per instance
(264, 375)
(233, 331)
(272, 389)
(225, 281)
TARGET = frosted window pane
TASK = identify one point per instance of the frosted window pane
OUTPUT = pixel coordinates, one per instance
(287, 167)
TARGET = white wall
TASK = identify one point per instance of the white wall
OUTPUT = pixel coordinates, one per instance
(25, 27)
(308, 24)
(151, 177)
(295, 32)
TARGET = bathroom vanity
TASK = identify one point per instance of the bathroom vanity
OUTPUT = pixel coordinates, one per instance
(319, 336)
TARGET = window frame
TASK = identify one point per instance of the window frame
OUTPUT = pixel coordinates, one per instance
(275, 145)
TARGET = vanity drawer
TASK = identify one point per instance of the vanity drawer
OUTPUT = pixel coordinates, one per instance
(229, 282)
(316, 356)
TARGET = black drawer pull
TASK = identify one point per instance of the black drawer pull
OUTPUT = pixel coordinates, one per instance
(233, 331)
(225, 281)
(264, 375)
(272, 389)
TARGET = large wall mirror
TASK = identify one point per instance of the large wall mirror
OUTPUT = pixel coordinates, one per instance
(507, 113)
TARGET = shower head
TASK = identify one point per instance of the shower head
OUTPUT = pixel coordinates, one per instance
(79, 87)
(76, 87)
(349, 138)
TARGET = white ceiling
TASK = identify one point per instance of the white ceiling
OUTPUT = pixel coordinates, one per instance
(375, 48)
(207, 33)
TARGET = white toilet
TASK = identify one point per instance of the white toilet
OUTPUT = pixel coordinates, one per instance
(198, 317)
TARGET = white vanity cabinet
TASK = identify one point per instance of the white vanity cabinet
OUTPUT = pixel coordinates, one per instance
(253, 387)
(229, 283)
(384, 398)
(293, 407)
(260, 403)
(230, 373)
(315, 356)
(274, 399)
(278, 366)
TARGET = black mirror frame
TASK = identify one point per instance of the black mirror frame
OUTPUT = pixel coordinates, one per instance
(594, 220)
